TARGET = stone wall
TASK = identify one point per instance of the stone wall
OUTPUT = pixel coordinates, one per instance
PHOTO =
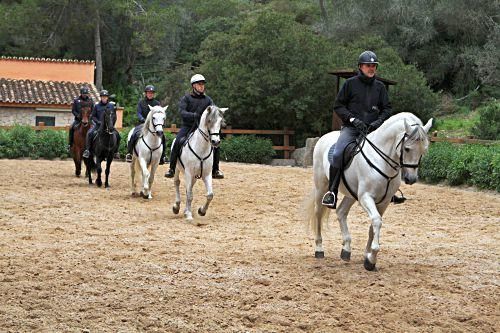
(27, 116)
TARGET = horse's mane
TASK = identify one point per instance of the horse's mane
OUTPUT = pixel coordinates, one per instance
(154, 110)
(412, 120)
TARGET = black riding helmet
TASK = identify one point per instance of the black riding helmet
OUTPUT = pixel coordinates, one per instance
(368, 57)
(104, 92)
(84, 91)
(149, 87)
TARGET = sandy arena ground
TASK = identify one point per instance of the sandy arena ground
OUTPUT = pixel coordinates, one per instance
(75, 258)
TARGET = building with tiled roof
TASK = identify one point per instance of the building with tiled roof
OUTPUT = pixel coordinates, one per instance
(40, 90)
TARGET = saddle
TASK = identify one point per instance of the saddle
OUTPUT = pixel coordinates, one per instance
(349, 152)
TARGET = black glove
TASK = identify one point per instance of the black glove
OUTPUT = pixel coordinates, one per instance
(142, 121)
(358, 124)
(197, 117)
(375, 124)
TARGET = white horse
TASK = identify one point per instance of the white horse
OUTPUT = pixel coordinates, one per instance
(387, 155)
(147, 151)
(196, 159)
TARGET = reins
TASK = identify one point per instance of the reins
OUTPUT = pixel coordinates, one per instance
(386, 158)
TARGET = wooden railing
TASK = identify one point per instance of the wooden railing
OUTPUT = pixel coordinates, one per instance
(435, 138)
(229, 131)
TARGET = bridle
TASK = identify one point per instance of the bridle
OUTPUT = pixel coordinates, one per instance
(393, 164)
(151, 150)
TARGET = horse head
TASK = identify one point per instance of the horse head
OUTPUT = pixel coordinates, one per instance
(413, 145)
(213, 119)
(156, 119)
(86, 116)
(109, 120)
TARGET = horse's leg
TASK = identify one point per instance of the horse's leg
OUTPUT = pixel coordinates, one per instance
(373, 244)
(189, 183)
(133, 181)
(177, 205)
(210, 195)
(78, 165)
(98, 181)
(88, 169)
(109, 160)
(342, 211)
(145, 178)
(319, 211)
(152, 173)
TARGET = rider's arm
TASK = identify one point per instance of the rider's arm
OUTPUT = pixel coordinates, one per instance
(185, 114)
(384, 105)
(93, 115)
(341, 103)
(139, 112)
(74, 109)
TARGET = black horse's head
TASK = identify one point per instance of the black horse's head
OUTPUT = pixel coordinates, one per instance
(109, 120)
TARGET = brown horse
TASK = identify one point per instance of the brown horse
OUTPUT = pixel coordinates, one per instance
(79, 136)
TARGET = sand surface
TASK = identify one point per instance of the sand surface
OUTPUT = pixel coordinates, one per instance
(75, 258)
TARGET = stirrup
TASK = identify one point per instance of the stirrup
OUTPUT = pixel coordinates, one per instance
(128, 158)
(86, 153)
(170, 173)
(218, 174)
(327, 203)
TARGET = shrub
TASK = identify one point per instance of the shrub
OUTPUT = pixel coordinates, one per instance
(247, 149)
(488, 127)
(434, 167)
(51, 144)
(22, 142)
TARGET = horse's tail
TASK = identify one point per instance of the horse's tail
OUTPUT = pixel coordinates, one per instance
(310, 205)
(90, 164)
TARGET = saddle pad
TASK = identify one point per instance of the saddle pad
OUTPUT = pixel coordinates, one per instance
(349, 153)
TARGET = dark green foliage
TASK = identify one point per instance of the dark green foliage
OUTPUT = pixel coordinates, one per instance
(462, 164)
(23, 141)
(488, 127)
(247, 149)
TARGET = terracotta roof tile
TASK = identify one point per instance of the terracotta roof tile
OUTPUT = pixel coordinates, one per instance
(45, 59)
(42, 92)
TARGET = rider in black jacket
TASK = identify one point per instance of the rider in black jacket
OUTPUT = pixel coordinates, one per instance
(142, 113)
(363, 105)
(191, 106)
(82, 103)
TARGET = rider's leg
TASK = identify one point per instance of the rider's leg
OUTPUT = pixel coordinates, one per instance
(162, 158)
(88, 142)
(131, 145)
(175, 151)
(347, 135)
(71, 133)
(216, 173)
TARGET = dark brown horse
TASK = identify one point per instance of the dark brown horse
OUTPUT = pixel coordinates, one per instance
(79, 136)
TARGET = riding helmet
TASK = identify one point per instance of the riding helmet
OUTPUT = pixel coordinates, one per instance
(104, 92)
(84, 90)
(149, 87)
(197, 78)
(368, 57)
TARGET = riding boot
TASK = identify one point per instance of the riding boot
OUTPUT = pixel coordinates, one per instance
(164, 148)
(216, 173)
(173, 162)
(88, 141)
(330, 197)
(71, 133)
(130, 147)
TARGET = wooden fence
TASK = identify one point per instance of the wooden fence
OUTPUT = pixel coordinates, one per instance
(435, 138)
(228, 131)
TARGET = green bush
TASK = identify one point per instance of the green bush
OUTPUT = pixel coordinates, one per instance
(488, 127)
(462, 164)
(51, 144)
(247, 149)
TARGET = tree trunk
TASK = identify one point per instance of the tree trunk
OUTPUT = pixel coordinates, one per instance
(324, 15)
(98, 53)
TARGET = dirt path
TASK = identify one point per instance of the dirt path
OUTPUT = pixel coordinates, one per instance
(76, 258)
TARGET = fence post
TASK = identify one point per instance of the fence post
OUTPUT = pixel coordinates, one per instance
(229, 135)
(286, 142)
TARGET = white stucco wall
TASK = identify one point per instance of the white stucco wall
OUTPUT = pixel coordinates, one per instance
(27, 116)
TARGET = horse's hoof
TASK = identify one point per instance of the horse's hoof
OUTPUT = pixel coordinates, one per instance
(368, 265)
(98, 183)
(345, 255)
(176, 209)
(134, 194)
(201, 213)
(319, 254)
(144, 196)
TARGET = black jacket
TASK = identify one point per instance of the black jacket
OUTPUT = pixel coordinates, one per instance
(363, 98)
(79, 105)
(191, 106)
(143, 108)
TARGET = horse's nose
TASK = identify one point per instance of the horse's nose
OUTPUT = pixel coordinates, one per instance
(159, 133)
(410, 179)
(215, 143)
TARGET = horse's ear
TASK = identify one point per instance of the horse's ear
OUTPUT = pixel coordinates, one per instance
(428, 126)
(223, 110)
(165, 109)
(407, 127)
(209, 109)
(150, 108)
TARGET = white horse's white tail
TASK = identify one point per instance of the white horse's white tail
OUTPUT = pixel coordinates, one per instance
(309, 206)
